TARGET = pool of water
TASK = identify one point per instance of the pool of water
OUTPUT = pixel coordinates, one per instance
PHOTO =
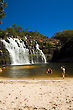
(36, 71)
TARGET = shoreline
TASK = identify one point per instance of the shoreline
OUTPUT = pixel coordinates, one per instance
(35, 78)
(25, 80)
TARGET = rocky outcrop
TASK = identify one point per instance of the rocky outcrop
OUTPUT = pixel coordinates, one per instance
(4, 55)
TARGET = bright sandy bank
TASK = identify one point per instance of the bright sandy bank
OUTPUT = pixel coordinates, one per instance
(36, 95)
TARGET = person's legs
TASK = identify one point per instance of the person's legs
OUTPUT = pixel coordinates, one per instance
(63, 75)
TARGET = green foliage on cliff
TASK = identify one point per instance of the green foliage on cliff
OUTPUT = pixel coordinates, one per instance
(18, 32)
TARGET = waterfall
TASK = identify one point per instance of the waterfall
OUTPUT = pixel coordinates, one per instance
(19, 53)
(41, 53)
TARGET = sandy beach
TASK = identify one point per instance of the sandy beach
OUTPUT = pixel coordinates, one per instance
(54, 94)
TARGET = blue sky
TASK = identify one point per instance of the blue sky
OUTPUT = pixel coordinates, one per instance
(45, 16)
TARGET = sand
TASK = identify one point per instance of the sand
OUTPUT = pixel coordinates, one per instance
(49, 94)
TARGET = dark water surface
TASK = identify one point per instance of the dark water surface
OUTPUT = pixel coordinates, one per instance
(36, 71)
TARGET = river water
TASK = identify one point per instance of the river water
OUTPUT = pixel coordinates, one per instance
(36, 71)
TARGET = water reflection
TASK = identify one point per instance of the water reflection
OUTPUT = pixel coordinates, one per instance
(33, 71)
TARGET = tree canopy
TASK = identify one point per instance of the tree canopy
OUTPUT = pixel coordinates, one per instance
(64, 36)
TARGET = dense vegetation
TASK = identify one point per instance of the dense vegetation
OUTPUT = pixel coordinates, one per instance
(64, 36)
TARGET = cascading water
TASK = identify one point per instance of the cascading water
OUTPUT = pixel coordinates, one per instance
(20, 54)
(41, 53)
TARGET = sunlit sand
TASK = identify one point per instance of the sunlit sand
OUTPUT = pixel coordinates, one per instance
(52, 94)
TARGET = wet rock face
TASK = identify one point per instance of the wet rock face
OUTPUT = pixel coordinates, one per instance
(4, 55)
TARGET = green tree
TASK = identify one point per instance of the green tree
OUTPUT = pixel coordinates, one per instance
(2, 33)
(2, 12)
(64, 36)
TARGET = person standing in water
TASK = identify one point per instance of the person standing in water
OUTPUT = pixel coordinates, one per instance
(49, 71)
(63, 69)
